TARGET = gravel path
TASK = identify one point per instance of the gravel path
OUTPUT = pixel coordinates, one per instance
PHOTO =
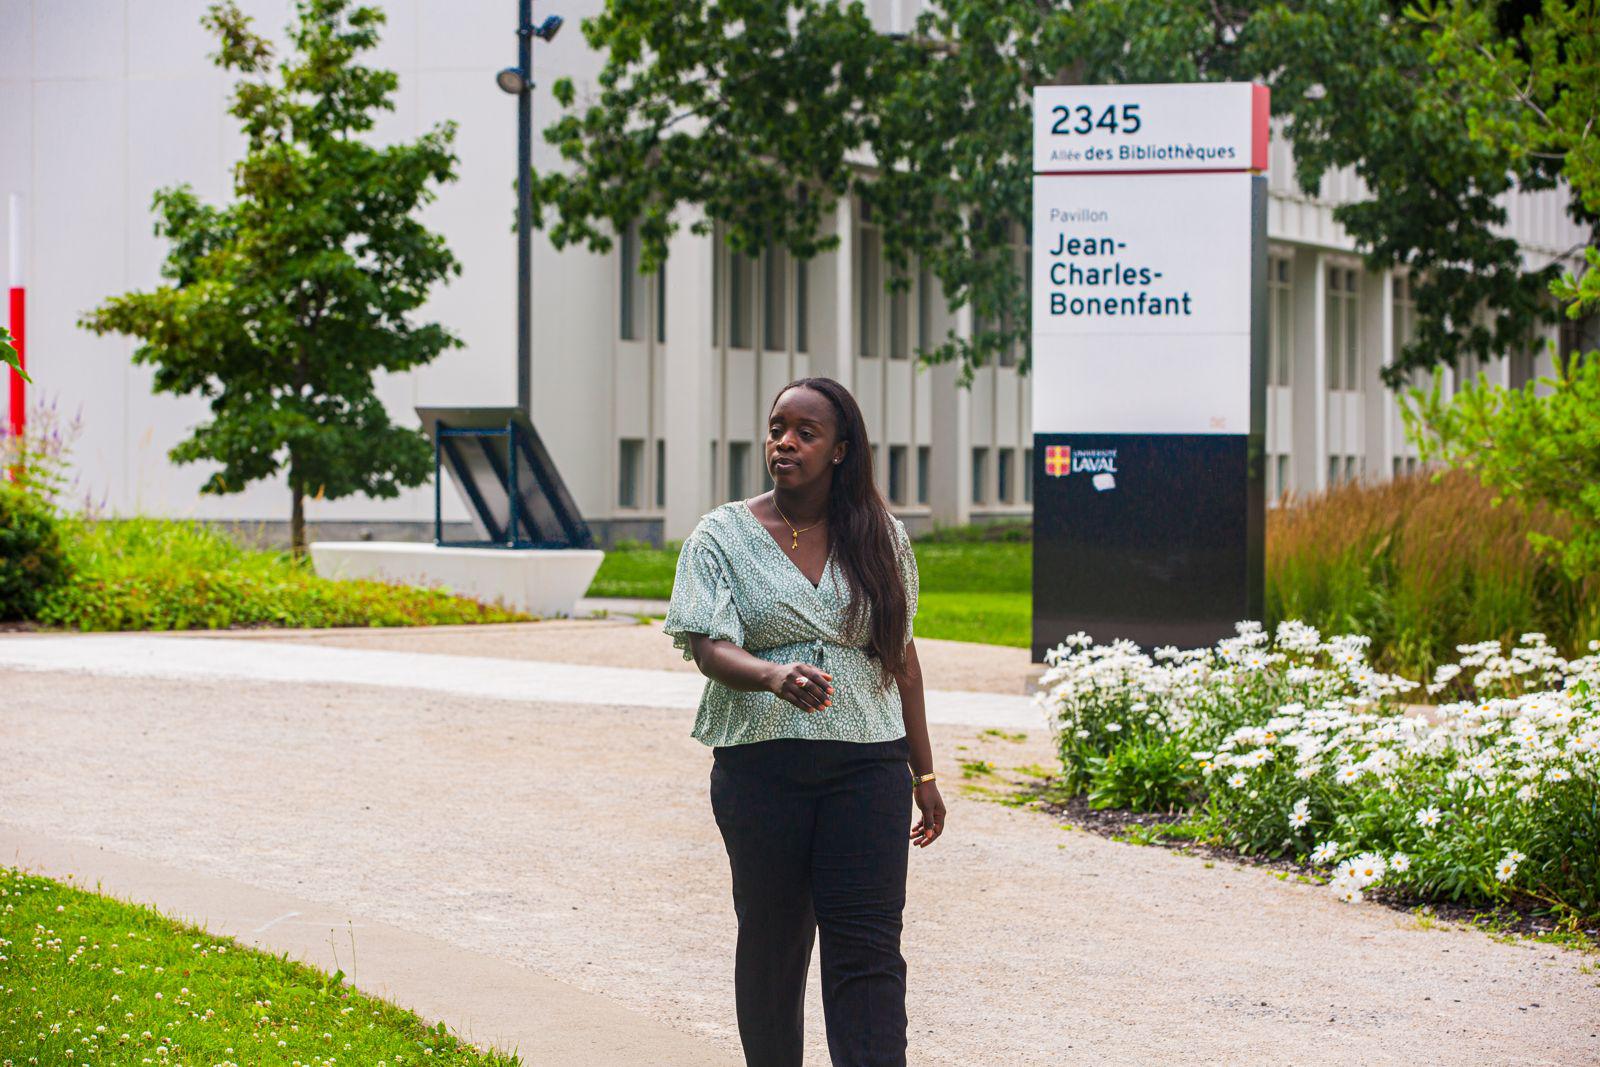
(578, 841)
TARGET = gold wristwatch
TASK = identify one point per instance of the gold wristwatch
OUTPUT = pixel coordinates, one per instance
(918, 779)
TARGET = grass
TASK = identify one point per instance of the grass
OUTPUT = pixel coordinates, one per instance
(970, 589)
(88, 979)
(158, 574)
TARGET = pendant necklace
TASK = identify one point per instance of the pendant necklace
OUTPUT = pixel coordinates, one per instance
(795, 543)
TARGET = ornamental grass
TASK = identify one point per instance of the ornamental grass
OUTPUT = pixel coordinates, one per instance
(1421, 566)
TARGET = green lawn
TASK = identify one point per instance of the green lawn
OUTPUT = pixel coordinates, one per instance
(87, 979)
(969, 591)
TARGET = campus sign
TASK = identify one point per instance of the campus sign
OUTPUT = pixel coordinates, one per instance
(1149, 333)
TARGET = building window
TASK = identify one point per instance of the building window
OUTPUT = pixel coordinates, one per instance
(1334, 467)
(1352, 468)
(924, 310)
(714, 482)
(1343, 333)
(630, 286)
(801, 281)
(772, 300)
(661, 304)
(741, 305)
(873, 453)
(897, 474)
(1283, 476)
(719, 301)
(1003, 475)
(1280, 323)
(900, 324)
(924, 457)
(630, 472)
(869, 291)
(980, 468)
(1027, 475)
(738, 469)
(1405, 314)
(661, 473)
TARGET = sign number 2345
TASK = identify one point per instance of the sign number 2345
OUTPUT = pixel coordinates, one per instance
(1087, 123)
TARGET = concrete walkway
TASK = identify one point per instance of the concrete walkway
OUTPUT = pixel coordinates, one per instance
(142, 656)
(572, 841)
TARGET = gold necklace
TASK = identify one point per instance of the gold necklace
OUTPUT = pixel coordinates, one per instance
(795, 543)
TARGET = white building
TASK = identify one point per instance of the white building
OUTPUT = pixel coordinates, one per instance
(650, 393)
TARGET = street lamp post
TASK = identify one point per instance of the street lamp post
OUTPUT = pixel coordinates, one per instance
(519, 81)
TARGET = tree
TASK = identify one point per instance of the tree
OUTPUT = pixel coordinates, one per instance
(1533, 97)
(280, 306)
(758, 113)
(8, 355)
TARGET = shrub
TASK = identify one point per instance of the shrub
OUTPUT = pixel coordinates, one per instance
(1304, 749)
(1147, 772)
(32, 556)
(1421, 566)
(155, 574)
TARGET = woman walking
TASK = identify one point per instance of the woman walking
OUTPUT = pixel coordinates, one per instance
(797, 606)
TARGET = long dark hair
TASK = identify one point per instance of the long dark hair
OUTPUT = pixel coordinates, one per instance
(859, 531)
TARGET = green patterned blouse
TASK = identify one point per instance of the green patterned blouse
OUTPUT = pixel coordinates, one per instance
(734, 582)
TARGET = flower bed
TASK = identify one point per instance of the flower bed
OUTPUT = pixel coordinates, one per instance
(1291, 744)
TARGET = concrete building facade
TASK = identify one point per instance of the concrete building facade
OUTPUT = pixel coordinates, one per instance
(650, 391)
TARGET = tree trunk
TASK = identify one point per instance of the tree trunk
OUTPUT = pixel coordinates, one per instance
(297, 523)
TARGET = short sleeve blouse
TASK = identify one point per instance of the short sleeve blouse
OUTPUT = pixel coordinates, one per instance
(734, 582)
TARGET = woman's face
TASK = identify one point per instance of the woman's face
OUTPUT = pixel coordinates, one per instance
(802, 439)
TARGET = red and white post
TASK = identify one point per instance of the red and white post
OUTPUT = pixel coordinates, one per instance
(18, 313)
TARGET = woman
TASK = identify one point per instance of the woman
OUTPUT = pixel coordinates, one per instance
(797, 605)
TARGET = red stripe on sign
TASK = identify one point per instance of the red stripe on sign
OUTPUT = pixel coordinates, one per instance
(19, 333)
(1261, 113)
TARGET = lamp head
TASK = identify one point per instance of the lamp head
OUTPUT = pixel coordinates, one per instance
(548, 28)
(512, 80)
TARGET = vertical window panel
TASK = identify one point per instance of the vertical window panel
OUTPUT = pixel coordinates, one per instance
(629, 472)
(897, 474)
(924, 458)
(773, 308)
(738, 469)
(741, 304)
(869, 292)
(801, 303)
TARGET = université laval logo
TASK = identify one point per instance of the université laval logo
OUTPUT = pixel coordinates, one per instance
(1100, 462)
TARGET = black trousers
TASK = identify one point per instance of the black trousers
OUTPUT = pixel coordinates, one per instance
(818, 836)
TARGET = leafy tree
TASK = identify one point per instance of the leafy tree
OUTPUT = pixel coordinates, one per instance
(1533, 97)
(759, 112)
(280, 306)
(8, 355)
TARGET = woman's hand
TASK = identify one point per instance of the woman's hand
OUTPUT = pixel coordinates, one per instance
(931, 825)
(801, 684)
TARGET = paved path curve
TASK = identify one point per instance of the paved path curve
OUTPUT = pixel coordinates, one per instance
(575, 840)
